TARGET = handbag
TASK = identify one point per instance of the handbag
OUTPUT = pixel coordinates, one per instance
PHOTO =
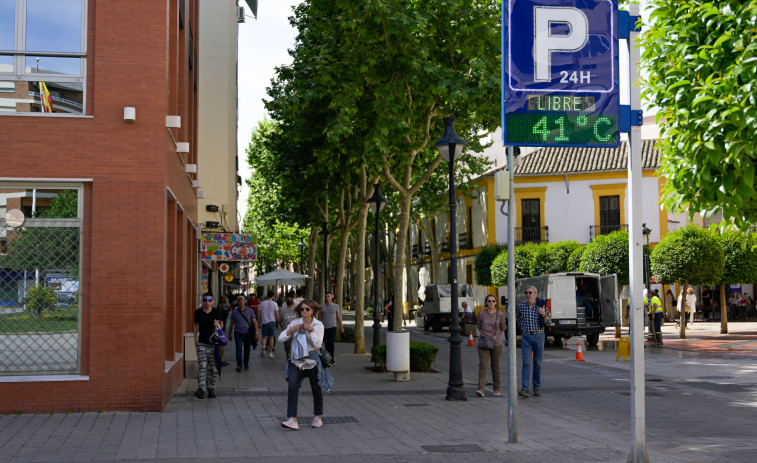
(486, 342)
(326, 359)
(218, 337)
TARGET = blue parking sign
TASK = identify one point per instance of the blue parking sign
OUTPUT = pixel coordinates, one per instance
(560, 84)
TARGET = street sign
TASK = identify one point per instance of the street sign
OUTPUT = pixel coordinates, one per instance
(560, 84)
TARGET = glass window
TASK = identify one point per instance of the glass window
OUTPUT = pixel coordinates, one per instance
(45, 59)
(40, 256)
(53, 25)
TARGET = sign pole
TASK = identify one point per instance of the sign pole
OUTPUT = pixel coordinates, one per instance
(638, 452)
(512, 363)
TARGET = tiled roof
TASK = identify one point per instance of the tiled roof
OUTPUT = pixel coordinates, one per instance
(558, 161)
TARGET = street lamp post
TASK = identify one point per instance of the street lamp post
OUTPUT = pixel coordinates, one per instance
(376, 202)
(450, 146)
(301, 245)
(325, 233)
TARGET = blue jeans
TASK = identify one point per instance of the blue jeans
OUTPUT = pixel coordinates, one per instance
(531, 343)
(295, 379)
(243, 350)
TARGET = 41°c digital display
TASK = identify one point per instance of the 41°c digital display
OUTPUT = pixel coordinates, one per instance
(540, 128)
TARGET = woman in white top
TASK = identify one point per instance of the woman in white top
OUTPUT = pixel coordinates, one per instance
(306, 366)
(691, 304)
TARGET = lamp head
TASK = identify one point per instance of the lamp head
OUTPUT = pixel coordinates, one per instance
(450, 139)
(377, 201)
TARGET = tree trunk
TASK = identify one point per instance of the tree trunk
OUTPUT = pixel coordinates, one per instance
(360, 280)
(312, 248)
(683, 309)
(400, 258)
(723, 310)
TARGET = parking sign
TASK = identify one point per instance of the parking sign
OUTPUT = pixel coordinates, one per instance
(560, 81)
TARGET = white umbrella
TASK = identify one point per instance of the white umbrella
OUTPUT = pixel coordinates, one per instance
(282, 277)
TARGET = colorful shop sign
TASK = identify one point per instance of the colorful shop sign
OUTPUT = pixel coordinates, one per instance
(227, 247)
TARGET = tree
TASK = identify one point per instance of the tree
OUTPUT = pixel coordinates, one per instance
(691, 255)
(608, 254)
(524, 254)
(739, 257)
(482, 264)
(705, 90)
(552, 257)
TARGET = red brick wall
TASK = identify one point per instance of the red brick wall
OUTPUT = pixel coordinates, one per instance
(129, 309)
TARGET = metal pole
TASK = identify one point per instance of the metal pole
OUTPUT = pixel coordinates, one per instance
(376, 324)
(455, 390)
(512, 365)
(638, 451)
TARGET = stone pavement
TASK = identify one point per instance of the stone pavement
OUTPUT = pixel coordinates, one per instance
(700, 407)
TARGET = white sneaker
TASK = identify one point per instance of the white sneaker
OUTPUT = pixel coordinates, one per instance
(291, 423)
(317, 423)
(270, 355)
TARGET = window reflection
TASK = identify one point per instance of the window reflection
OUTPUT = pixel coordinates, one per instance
(53, 25)
(53, 65)
(24, 97)
(7, 14)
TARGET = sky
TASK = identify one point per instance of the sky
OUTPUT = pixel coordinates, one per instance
(263, 45)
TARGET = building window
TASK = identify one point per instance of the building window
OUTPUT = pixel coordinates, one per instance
(609, 214)
(40, 280)
(530, 220)
(42, 56)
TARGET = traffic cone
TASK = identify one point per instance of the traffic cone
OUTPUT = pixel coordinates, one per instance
(471, 342)
(579, 354)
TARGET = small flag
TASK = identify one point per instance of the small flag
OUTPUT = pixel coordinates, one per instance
(46, 98)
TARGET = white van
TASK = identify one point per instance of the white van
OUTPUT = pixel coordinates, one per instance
(579, 303)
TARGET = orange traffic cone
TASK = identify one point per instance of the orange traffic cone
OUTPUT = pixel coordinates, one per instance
(579, 354)
(471, 342)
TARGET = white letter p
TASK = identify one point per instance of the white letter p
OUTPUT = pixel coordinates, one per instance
(545, 43)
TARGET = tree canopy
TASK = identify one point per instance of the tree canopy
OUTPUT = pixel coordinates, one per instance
(607, 254)
(700, 60)
(690, 254)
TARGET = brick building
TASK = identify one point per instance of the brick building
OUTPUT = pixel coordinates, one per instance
(97, 285)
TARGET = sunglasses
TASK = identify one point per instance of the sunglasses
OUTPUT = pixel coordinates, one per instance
(529, 292)
(306, 309)
(207, 299)
(490, 300)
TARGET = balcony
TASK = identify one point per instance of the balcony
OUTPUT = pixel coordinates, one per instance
(596, 230)
(531, 235)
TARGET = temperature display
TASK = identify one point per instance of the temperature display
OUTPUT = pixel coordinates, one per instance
(562, 129)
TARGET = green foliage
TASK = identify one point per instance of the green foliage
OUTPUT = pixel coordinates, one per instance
(574, 260)
(552, 257)
(524, 254)
(607, 254)
(422, 356)
(64, 205)
(349, 334)
(40, 299)
(482, 264)
(700, 62)
(691, 253)
(740, 257)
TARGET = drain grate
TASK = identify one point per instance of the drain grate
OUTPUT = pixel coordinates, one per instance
(417, 405)
(467, 448)
(714, 377)
(328, 419)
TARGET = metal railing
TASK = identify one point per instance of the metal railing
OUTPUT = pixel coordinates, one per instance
(596, 230)
(531, 235)
(39, 297)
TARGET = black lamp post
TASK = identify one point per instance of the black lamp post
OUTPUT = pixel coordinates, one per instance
(325, 233)
(647, 267)
(450, 146)
(301, 245)
(377, 202)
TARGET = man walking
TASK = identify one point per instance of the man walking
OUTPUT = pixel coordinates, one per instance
(532, 318)
(269, 318)
(332, 319)
(207, 318)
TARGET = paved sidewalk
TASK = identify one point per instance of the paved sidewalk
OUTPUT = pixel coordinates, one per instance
(698, 409)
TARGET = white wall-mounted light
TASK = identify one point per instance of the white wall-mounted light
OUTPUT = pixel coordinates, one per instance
(130, 114)
(200, 194)
(196, 184)
(182, 147)
(190, 168)
(173, 122)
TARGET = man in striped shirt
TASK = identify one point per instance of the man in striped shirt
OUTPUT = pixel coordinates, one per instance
(532, 318)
